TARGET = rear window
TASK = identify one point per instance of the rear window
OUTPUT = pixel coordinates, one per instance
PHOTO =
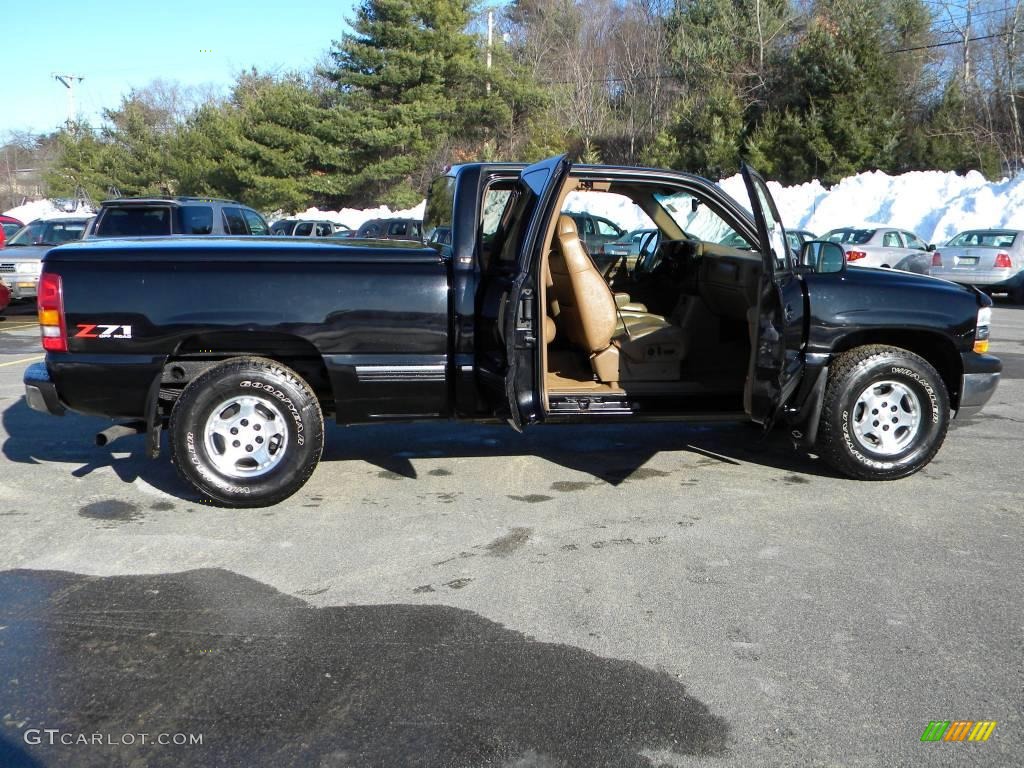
(984, 239)
(197, 219)
(850, 236)
(134, 221)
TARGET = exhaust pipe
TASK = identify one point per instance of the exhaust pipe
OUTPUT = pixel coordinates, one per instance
(110, 434)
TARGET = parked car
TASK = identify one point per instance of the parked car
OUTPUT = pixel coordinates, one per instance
(307, 228)
(884, 247)
(629, 244)
(440, 236)
(797, 237)
(391, 229)
(8, 226)
(5, 296)
(989, 259)
(21, 260)
(162, 216)
(596, 232)
(861, 366)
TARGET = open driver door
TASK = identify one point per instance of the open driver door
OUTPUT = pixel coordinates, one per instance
(777, 331)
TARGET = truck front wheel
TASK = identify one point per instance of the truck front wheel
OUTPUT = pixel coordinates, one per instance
(247, 432)
(884, 414)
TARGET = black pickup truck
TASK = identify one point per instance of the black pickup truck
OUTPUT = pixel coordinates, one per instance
(241, 348)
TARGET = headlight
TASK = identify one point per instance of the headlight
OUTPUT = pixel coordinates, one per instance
(28, 267)
(983, 330)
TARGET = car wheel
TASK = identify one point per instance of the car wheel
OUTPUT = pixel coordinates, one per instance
(1017, 294)
(884, 414)
(247, 433)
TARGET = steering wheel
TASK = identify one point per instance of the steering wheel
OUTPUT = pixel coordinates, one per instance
(650, 256)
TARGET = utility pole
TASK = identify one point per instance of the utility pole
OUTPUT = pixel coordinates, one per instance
(490, 44)
(68, 81)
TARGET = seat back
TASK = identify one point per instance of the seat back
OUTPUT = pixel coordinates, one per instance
(585, 302)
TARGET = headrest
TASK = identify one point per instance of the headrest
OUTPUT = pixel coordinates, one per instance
(567, 226)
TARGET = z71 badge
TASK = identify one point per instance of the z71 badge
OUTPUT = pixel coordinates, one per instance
(96, 331)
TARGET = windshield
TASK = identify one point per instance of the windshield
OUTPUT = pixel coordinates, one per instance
(849, 236)
(49, 233)
(699, 222)
(985, 239)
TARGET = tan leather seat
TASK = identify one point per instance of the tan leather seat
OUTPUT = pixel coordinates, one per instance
(635, 346)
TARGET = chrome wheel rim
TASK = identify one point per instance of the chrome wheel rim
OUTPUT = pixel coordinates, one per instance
(887, 417)
(245, 436)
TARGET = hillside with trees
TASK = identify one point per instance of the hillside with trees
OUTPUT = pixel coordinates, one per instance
(820, 89)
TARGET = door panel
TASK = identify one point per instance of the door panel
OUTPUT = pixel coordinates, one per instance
(777, 326)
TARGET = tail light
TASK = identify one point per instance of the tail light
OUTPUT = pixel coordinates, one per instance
(1003, 261)
(855, 255)
(51, 313)
(936, 259)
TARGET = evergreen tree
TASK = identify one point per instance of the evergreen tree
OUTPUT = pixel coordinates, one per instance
(413, 90)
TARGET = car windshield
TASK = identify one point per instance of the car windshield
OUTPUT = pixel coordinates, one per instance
(984, 239)
(48, 233)
(699, 222)
(849, 236)
(10, 228)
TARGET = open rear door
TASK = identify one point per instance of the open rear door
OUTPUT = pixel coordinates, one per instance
(522, 329)
(508, 316)
(777, 330)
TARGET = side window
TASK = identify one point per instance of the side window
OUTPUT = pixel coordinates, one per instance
(371, 231)
(257, 226)
(196, 219)
(280, 227)
(891, 240)
(398, 229)
(323, 230)
(234, 224)
(913, 241)
(606, 228)
(303, 229)
(588, 225)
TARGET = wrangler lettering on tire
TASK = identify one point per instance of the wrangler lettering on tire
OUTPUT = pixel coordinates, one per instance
(247, 432)
(884, 414)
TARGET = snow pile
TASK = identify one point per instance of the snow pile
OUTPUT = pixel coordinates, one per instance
(617, 208)
(935, 204)
(355, 217)
(44, 209)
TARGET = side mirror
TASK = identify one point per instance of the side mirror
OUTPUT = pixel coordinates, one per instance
(930, 247)
(694, 205)
(823, 257)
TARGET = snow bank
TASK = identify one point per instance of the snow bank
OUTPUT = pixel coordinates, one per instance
(44, 209)
(935, 204)
(355, 217)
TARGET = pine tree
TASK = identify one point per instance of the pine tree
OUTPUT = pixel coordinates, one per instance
(412, 85)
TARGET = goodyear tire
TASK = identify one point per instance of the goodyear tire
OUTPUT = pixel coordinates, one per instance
(247, 433)
(884, 414)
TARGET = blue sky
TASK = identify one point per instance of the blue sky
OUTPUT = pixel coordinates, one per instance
(117, 46)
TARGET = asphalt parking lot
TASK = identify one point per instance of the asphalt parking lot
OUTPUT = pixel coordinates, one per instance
(465, 596)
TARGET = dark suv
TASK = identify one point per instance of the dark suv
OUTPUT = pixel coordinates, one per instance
(391, 229)
(159, 216)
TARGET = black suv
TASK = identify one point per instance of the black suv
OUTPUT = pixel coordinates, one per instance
(159, 216)
(391, 229)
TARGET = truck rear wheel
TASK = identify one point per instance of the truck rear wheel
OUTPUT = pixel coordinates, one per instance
(247, 433)
(884, 415)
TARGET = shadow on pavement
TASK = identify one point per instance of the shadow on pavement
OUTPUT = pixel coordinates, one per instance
(608, 452)
(269, 680)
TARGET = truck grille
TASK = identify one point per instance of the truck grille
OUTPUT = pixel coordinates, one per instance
(8, 267)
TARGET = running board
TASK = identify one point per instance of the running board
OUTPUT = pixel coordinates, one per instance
(595, 404)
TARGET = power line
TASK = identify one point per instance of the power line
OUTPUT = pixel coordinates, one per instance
(954, 42)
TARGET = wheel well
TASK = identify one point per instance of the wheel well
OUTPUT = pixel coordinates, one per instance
(936, 349)
(197, 353)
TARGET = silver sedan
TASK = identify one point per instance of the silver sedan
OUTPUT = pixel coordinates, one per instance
(989, 259)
